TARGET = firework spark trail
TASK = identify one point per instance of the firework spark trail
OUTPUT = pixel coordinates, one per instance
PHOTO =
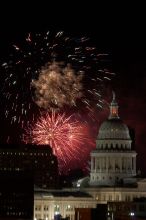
(22, 73)
(65, 135)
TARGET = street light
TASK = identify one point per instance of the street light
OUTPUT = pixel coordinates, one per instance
(131, 214)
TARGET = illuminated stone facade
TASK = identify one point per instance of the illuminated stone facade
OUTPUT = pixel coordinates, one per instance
(47, 204)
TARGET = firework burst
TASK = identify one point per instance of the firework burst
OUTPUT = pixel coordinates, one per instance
(65, 135)
(22, 88)
(57, 86)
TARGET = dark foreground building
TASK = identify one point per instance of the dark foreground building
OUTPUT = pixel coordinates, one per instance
(100, 212)
(134, 210)
(39, 161)
(16, 195)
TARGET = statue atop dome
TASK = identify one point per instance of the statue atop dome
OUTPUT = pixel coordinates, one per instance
(114, 95)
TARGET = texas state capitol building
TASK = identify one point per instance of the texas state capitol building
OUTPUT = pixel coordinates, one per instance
(112, 175)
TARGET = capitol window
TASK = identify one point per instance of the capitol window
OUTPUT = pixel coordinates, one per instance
(56, 207)
(38, 208)
(46, 208)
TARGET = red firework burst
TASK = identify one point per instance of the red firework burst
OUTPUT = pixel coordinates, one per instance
(67, 136)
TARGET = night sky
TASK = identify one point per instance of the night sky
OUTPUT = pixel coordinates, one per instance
(118, 32)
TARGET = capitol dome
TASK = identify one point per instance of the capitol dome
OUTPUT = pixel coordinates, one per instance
(113, 129)
(113, 133)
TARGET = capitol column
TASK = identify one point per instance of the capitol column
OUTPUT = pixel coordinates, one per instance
(91, 164)
(120, 164)
(131, 164)
(107, 165)
(126, 164)
(125, 167)
(100, 164)
(95, 164)
(113, 165)
(134, 164)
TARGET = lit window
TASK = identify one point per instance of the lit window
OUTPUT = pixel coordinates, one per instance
(114, 111)
(56, 207)
(68, 207)
(97, 198)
